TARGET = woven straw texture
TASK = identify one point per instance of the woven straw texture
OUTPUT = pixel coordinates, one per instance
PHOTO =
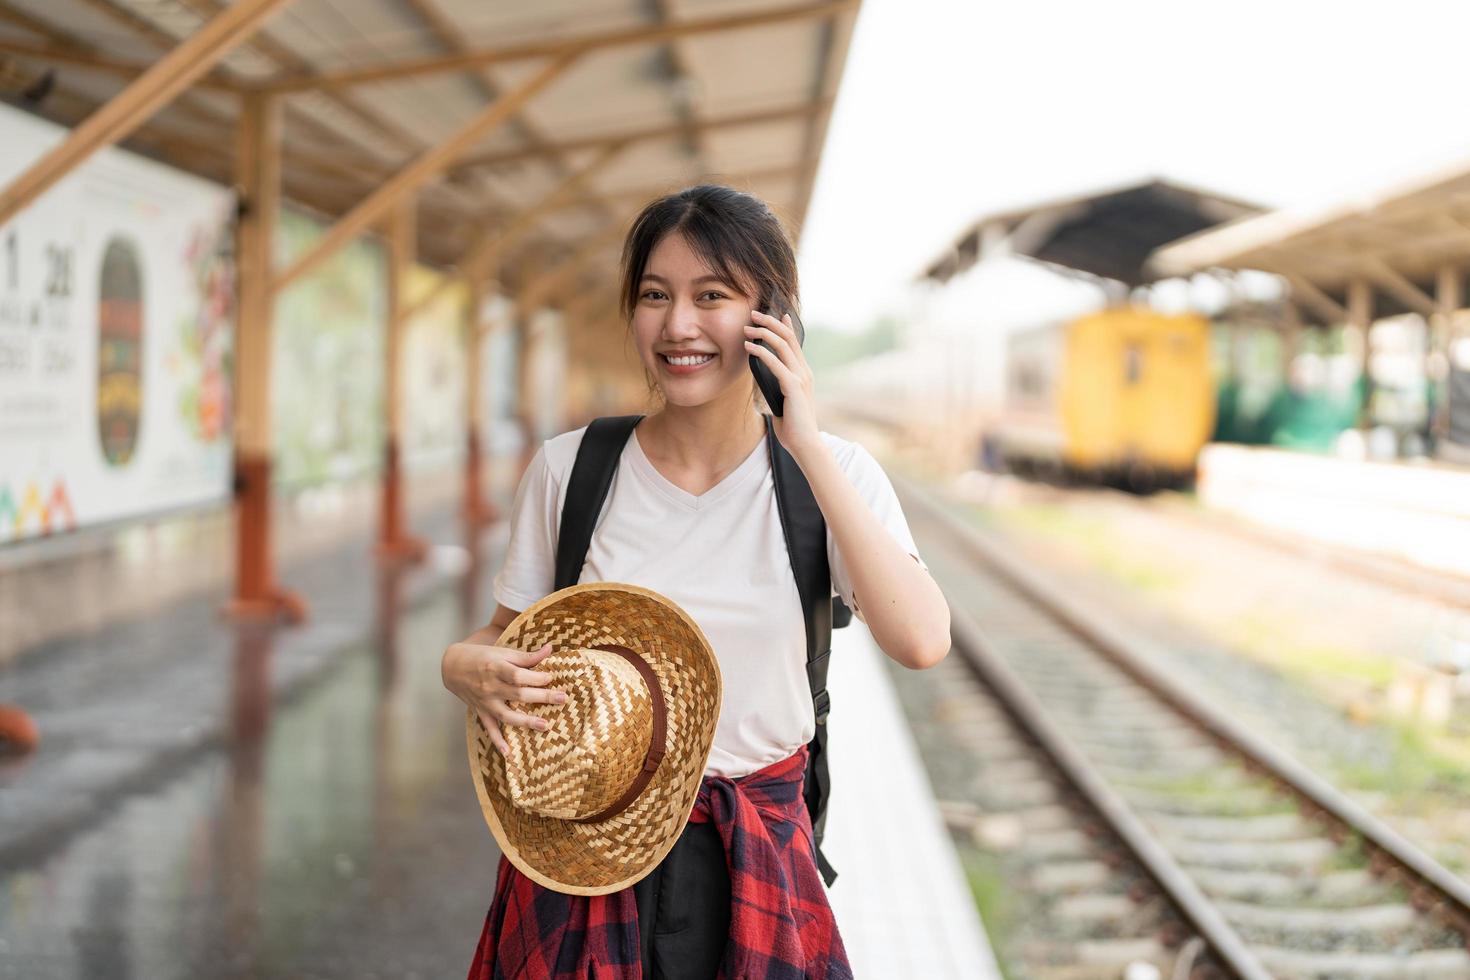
(598, 739)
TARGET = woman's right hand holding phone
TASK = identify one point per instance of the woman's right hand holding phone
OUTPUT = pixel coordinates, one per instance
(488, 678)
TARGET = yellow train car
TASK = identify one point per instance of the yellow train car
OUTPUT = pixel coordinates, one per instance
(1124, 396)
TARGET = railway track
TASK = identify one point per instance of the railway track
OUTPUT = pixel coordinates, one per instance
(1157, 829)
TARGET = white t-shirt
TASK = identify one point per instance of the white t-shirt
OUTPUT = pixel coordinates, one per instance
(721, 556)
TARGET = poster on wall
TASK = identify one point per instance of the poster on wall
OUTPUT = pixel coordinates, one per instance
(327, 360)
(433, 374)
(116, 321)
(500, 430)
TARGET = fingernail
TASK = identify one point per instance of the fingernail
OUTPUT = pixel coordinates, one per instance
(561, 698)
(543, 725)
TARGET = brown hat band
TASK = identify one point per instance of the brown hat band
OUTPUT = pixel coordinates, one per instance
(656, 738)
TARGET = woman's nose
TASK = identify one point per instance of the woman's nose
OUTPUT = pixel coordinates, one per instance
(682, 321)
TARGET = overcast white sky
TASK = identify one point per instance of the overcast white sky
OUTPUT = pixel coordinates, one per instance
(950, 109)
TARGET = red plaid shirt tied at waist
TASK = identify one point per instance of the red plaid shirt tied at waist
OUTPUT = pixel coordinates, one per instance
(781, 925)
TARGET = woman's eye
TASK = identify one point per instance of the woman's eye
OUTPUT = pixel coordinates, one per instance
(713, 294)
(653, 294)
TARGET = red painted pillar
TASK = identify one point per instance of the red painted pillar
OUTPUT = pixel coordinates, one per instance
(257, 162)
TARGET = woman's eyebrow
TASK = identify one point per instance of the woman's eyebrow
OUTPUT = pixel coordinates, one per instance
(711, 278)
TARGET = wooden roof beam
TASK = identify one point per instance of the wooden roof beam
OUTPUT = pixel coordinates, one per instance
(59, 39)
(282, 55)
(835, 41)
(479, 260)
(596, 41)
(642, 195)
(647, 134)
(1396, 285)
(131, 107)
(455, 42)
(482, 257)
(64, 54)
(1329, 309)
(187, 104)
(415, 174)
(539, 289)
(602, 293)
(681, 95)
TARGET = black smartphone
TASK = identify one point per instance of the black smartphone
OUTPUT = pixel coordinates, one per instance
(775, 304)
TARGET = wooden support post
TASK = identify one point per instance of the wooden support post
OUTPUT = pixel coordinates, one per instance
(1360, 319)
(258, 169)
(525, 349)
(477, 510)
(1291, 338)
(395, 544)
(131, 107)
(1450, 296)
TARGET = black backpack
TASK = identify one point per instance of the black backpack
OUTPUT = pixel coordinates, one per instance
(805, 531)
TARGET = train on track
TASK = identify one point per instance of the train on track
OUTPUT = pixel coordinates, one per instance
(1124, 396)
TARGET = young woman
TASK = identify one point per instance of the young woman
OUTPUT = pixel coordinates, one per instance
(692, 515)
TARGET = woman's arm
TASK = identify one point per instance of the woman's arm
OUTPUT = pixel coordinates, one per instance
(487, 677)
(901, 603)
(902, 606)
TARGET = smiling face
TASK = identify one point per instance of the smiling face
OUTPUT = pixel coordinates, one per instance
(684, 306)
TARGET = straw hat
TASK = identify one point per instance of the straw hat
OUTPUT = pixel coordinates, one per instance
(593, 803)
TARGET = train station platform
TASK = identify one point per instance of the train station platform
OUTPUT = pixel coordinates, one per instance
(223, 802)
(1417, 513)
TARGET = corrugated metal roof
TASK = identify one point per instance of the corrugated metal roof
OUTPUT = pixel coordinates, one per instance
(1408, 231)
(1109, 233)
(743, 103)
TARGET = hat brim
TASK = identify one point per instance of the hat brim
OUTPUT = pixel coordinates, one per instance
(607, 856)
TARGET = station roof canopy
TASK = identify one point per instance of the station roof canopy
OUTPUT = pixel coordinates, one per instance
(1399, 240)
(603, 103)
(1108, 233)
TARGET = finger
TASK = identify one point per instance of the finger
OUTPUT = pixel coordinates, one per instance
(493, 730)
(524, 677)
(783, 349)
(535, 695)
(781, 327)
(522, 720)
(530, 658)
(778, 368)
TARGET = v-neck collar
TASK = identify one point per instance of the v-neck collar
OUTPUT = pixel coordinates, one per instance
(644, 466)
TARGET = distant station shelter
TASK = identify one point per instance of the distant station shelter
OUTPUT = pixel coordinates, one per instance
(1383, 277)
(1125, 395)
(1107, 234)
(225, 228)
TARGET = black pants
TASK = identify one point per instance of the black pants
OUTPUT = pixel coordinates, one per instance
(684, 908)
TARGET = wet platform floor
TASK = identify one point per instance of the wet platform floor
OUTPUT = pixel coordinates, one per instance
(218, 803)
(290, 808)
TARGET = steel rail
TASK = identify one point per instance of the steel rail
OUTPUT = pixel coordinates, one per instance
(1192, 904)
(1451, 891)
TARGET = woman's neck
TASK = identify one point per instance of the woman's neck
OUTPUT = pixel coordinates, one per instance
(702, 439)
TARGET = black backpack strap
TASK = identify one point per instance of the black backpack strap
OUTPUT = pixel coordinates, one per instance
(805, 530)
(587, 487)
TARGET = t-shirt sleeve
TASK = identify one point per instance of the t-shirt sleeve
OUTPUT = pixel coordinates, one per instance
(876, 490)
(529, 572)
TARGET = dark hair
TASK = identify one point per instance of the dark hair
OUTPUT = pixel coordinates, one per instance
(736, 233)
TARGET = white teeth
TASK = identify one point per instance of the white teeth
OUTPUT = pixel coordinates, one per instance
(690, 361)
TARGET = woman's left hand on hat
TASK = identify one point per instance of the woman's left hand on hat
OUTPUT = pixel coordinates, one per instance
(796, 427)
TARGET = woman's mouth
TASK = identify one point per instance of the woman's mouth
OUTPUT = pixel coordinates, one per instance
(685, 365)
